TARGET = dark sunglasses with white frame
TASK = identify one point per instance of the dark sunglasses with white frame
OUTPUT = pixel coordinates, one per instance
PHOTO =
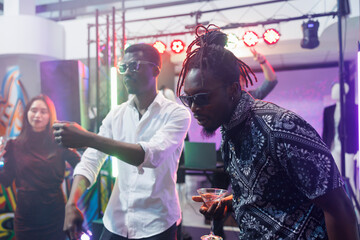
(133, 66)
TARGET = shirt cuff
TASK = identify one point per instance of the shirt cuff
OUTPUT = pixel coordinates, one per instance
(86, 175)
(148, 155)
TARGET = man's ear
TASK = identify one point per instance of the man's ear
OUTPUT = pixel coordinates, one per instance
(234, 89)
(156, 71)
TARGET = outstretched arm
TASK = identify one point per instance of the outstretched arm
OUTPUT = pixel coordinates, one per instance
(339, 215)
(71, 134)
(266, 67)
(270, 77)
(143, 153)
(73, 216)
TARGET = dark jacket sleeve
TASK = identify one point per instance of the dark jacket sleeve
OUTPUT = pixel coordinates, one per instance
(264, 90)
(71, 156)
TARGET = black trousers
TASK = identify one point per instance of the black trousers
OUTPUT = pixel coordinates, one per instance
(169, 234)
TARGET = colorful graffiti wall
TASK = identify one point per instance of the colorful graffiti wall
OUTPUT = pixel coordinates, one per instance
(13, 99)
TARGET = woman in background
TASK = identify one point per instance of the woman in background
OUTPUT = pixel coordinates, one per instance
(37, 164)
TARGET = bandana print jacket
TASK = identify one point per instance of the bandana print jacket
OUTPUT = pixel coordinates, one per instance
(277, 164)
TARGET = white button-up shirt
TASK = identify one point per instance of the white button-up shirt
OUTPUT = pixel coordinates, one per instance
(144, 201)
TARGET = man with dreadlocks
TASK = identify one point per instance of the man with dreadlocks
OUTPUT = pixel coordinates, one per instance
(221, 179)
(284, 180)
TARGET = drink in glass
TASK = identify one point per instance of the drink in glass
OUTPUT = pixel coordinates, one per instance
(210, 196)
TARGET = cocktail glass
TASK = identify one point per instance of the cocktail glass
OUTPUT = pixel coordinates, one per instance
(210, 196)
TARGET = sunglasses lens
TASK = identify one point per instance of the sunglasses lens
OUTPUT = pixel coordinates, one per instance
(133, 66)
(186, 100)
(201, 99)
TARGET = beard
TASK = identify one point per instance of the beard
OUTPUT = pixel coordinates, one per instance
(208, 133)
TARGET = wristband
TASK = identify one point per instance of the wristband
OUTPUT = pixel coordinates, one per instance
(262, 62)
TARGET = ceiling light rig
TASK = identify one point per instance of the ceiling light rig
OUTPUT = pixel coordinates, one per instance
(310, 38)
(271, 36)
(250, 38)
(177, 46)
(160, 46)
(233, 41)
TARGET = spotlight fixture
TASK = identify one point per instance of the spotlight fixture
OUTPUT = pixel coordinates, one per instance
(310, 29)
(250, 38)
(177, 46)
(160, 46)
(233, 41)
(271, 36)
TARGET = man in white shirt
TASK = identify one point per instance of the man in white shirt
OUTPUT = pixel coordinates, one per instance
(146, 133)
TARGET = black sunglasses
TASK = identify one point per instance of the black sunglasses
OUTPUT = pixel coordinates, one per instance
(133, 66)
(200, 99)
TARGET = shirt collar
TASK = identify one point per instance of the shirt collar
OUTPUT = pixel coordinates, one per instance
(244, 104)
(158, 100)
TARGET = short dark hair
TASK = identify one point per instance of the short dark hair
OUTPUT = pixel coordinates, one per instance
(151, 54)
(211, 55)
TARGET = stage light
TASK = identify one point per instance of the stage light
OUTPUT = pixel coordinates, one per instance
(160, 46)
(310, 29)
(250, 38)
(113, 87)
(177, 46)
(233, 41)
(271, 36)
(114, 103)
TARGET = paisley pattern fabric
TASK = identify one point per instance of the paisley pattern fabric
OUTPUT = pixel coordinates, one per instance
(277, 163)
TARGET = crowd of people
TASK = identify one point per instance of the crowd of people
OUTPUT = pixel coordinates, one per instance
(284, 181)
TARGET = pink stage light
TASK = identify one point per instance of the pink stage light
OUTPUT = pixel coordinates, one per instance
(177, 46)
(271, 36)
(160, 46)
(250, 38)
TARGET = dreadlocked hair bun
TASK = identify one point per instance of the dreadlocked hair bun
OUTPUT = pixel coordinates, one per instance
(214, 37)
(206, 36)
(208, 53)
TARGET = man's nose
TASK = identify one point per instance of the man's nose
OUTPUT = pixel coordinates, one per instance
(127, 71)
(194, 107)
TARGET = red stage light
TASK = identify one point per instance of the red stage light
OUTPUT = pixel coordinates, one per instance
(177, 46)
(160, 46)
(250, 38)
(271, 36)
